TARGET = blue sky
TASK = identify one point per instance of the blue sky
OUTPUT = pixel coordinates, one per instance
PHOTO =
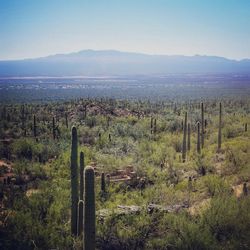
(34, 28)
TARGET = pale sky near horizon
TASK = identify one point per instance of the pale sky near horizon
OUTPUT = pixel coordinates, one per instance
(34, 28)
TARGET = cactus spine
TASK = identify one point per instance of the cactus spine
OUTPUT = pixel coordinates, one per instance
(189, 138)
(219, 132)
(202, 125)
(89, 209)
(74, 182)
(198, 138)
(184, 142)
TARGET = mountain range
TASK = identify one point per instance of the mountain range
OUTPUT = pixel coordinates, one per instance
(115, 63)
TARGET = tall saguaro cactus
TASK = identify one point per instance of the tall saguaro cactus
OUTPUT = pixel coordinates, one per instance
(89, 209)
(54, 128)
(202, 125)
(74, 182)
(80, 203)
(198, 138)
(103, 184)
(189, 138)
(81, 175)
(155, 127)
(220, 125)
(184, 142)
(34, 127)
(66, 120)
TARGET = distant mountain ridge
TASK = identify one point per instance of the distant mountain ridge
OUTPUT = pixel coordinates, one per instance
(112, 62)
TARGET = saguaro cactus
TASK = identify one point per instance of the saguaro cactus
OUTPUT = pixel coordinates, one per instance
(202, 125)
(184, 142)
(245, 127)
(74, 182)
(103, 185)
(54, 128)
(151, 126)
(155, 128)
(89, 209)
(189, 138)
(81, 175)
(66, 120)
(198, 138)
(80, 218)
(34, 126)
(219, 132)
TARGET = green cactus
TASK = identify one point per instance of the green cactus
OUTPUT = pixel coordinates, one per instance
(151, 126)
(198, 138)
(202, 125)
(66, 121)
(54, 128)
(189, 138)
(245, 127)
(89, 209)
(74, 182)
(219, 132)
(103, 185)
(80, 218)
(155, 127)
(81, 174)
(184, 142)
(34, 127)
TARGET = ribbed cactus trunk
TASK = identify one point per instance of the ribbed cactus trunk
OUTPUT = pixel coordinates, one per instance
(54, 128)
(189, 138)
(198, 138)
(74, 182)
(80, 218)
(81, 175)
(219, 132)
(184, 141)
(89, 209)
(155, 128)
(34, 127)
(103, 185)
(66, 121)
(202, 125)
(151, 126)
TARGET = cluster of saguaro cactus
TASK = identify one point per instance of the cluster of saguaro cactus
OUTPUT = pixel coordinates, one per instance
(82, 207)
(89, 209)
(220, 125)
(184, 142)
(74, 182)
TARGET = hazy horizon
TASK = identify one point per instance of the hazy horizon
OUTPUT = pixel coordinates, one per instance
(31, 29)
